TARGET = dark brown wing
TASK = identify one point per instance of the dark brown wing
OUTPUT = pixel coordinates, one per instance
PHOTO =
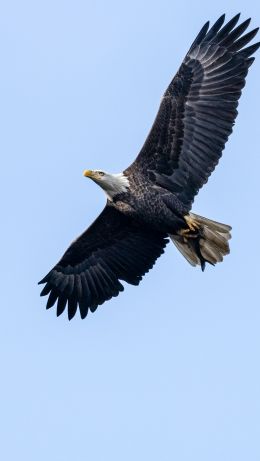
(198, 110)
(113, 248)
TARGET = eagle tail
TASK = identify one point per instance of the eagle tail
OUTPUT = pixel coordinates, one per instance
(203, 241)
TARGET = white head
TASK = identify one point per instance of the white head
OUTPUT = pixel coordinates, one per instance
(112, 184)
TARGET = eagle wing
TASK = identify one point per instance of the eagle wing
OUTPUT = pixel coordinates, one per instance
(113, 248)
(198, 110)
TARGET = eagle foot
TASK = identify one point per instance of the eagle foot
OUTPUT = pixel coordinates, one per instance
(191, 223)
(193, 226)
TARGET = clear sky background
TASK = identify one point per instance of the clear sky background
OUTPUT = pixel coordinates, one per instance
(169, 370)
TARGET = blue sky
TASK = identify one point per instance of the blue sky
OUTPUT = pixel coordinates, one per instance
(168, 370)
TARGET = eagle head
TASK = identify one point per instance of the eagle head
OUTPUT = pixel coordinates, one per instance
(112, 184)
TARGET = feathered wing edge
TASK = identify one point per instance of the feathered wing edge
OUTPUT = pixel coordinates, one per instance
(198, 110)
(114, 248)
(220, 65)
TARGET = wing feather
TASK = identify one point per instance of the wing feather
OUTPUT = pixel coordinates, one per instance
(114, 248)
(198, 110)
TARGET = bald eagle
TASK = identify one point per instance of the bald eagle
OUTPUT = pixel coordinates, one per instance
(150, 202)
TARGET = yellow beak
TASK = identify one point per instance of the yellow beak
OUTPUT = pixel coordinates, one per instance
(88, 173)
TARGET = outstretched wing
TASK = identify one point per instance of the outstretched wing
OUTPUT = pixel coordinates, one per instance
(113, 248)
(198, 110)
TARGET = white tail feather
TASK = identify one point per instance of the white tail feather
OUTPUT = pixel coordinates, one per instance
(186, 251)
(212, 242)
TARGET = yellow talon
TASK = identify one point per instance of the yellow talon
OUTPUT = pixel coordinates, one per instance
(191, 223)
(192, 227)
